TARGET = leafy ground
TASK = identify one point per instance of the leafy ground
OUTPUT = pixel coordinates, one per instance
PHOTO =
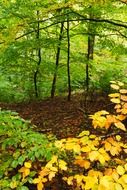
(60, 117)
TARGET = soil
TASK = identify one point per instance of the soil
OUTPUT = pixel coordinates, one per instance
(61, 117)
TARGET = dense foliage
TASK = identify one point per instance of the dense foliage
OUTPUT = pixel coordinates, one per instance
(90, 161)
(52, 47)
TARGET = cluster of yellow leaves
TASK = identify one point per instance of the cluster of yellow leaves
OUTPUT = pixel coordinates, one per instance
(104, 119)
(112, 146)
(115, 179)
(25, 170)
(49, 171)
(87, 149)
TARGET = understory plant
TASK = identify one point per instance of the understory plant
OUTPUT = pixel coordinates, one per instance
(91, 161)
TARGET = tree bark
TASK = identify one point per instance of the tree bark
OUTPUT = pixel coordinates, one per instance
(68, 59)
(39, 57)
(90, 50)
(57, 61)
(91, 40)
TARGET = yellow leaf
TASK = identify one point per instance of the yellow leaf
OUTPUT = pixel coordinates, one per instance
(27, 164)
(125, 105)
(36, 180)
(92, 136)
(40, 186)
(118, 110)
(101, 150)
(51, 175)
(103, 112)
(114, 151)
(22, 169)
(115, 100)
(118, 186)
(62, 165)
(107, 146)
(120, 126)
(93, 155)
(124, 111)
(123, 91)
(114, 95)
(101, 159)
(85, 149)
(112, 81)
(106, 182)
(119, 161)
(76, 148)
(124, 98)
(95, 173)
(117, 106)
(43, 180)
(53, 169)
(69, 146)
(115, 86)
(124, 178)
(118, 137)
(90, 182)
(78, 178)
(83, 163)
(83, 133)
(120, 83)
(13, 184)
(120, 117)
(108, 171)
(54, 159)
(120, 170)
(59, 144)
(70, 180)
(115, 175)
(45, 171)
(26, 172)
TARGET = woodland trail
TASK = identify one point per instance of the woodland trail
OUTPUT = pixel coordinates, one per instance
(58, 116)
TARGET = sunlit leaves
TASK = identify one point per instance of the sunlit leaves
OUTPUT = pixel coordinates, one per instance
(99, 119)
(115, 100)
(114, 86)
(112, 146)
(120, 126)
(82, 162)
(120, 170)
(49, 171)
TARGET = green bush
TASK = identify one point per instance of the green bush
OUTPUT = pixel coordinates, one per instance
(19, 144)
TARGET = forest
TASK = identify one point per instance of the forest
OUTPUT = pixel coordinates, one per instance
(63, 95)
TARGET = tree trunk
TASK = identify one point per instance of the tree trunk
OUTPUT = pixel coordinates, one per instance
(68, 60)
(91, 40)
(57, 61)
(90, 50)
(39, 57)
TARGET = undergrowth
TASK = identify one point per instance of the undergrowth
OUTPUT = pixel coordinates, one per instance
(90, 161)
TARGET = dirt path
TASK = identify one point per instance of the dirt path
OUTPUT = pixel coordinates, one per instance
(58, 116)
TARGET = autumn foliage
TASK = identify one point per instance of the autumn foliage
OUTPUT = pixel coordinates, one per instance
(90, 161)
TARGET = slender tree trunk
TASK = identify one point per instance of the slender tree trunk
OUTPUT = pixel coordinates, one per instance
(57, 61)
(68, 60)
(39, 57)
(91, 39)
(90, 50)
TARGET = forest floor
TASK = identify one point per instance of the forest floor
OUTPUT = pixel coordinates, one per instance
(61, 117)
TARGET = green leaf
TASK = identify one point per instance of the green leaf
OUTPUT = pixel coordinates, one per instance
(22, 188)
(14, 163)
